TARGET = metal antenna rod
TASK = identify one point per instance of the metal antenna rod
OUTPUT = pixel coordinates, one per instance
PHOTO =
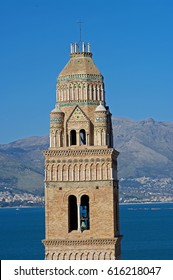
(80, 30)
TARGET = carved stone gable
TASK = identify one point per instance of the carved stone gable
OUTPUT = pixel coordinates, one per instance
(78, 116)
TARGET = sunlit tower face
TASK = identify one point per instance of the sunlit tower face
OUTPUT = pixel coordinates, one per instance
(81, 186)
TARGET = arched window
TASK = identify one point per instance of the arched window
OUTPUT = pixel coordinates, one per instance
(72, 208)
(82, 137)
(73, 137)
(84, 213)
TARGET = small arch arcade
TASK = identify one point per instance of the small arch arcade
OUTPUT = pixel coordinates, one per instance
(78, 128)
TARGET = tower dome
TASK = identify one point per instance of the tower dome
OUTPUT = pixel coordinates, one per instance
(100, 108)
(56, 116)
(56, 110)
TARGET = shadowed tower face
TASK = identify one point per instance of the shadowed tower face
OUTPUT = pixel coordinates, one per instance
(81, 187)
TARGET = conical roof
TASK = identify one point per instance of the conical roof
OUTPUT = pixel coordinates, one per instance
(80, 63)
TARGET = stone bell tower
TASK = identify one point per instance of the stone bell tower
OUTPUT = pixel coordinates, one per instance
(81, 186)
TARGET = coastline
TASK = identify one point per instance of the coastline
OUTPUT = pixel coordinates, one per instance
(142, 203)
(121, 204)
(20, 207)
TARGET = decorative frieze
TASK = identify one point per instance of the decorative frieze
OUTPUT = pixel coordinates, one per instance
(80, 77)
(83, 152)
(60, 120)
(88, 242)
(78, 102)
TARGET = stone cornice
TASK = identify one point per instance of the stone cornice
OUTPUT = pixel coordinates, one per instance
(96, 242)
(81, 152)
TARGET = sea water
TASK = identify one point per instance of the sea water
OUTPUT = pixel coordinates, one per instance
(147, 232)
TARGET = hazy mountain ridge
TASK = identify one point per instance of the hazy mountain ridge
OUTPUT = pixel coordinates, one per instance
(146, 147)
(146, 150)
(22, 164)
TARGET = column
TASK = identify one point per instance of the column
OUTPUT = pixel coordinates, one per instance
(68, 140)
(101, 172)
(87, 139)
(78, 216)
(67, 173)
(77, 93)
(84, 173)
(89, 173)
(50, 138)
(72, 173)
(86, 92)
(94, 92)
(77, 138)
(102, 95)
(90, 92)
(72, 93)
(50, 173)
(54, 140)
(112, 173)
(106, 171)
(56, 178)
(78, 174)
(45, 174)
(98, 93)
(59, 136)
(68, 97)
(57, 95)
(61, 174)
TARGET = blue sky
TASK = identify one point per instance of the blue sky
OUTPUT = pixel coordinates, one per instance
(131, 42)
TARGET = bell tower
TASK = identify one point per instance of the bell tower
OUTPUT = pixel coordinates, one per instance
(81, 185)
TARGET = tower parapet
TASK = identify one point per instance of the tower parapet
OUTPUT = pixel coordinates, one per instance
(81, 47)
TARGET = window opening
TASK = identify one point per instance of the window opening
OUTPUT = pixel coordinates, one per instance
(82, 137)
(84, 213)
(73, 137)
(72, 206)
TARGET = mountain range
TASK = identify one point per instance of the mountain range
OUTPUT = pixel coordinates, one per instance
(146, 147)
(146, 150)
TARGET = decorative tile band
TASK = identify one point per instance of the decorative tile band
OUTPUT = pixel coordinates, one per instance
(81, 103)
(80, 77)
